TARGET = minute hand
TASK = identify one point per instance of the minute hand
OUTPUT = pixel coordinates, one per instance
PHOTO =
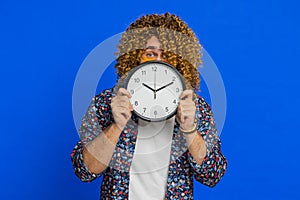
(164, 86)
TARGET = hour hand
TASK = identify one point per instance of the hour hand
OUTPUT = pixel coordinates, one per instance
(147, 86)
(164, 86)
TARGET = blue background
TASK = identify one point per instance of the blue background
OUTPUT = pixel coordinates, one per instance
(255, 45)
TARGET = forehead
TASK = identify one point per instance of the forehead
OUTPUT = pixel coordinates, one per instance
(153, 43)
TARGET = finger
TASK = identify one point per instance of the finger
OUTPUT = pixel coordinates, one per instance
(186, 94)
(187, 116)
(180, 116)
(123, 92)
(121, 99)
(122, 111)
(121, 107)
(121, 104)
(187, 104)
(189, 111)
(130, 106)
(186, 112)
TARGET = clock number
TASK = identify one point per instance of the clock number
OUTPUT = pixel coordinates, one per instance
(131, 91)
(173, 78)
(177, 90)
(166, 71)
(136, 80)
(174, 101)
(155, 112)
(154, 68)
(144, 109)
(136, 103)
(166, 109)
(143, 72)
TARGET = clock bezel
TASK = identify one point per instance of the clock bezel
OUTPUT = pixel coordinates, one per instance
(132, 71)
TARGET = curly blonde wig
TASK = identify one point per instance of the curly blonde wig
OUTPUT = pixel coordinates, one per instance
(180, 46)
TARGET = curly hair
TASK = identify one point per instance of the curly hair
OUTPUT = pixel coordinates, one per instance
(180, 46)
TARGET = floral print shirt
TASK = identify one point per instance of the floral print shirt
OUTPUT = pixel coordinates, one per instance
(182, 167)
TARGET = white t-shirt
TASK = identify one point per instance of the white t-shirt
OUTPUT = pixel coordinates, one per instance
(150, 164)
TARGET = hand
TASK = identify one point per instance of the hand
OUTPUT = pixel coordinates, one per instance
(164, 86)
(186, 110)
(121, 108)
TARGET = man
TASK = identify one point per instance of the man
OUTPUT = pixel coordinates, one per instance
(115, 143)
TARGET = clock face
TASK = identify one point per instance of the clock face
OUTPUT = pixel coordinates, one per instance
(155, 88)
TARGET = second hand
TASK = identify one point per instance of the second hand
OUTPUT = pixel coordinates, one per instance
(155, 83)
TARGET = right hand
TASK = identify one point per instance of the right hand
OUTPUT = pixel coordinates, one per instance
(121, 108)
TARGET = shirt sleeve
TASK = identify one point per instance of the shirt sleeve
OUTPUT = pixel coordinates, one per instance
(96, 119)
(214, 164)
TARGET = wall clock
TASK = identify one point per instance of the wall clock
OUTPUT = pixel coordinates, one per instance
(155, 87)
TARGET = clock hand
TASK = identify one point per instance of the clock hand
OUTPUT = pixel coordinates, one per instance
(164, 86)
(148, 87)
(155, 83)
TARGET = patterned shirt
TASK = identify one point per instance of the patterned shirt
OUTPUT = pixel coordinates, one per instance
(182, 167)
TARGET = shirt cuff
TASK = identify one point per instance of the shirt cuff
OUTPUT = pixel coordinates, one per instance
(80, 168)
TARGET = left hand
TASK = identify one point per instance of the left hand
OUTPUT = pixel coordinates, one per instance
(186, 110)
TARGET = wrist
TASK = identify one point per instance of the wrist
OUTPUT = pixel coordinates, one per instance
(116, 128)
(189, 130)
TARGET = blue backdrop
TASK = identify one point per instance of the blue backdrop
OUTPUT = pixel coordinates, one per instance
(255, 45)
